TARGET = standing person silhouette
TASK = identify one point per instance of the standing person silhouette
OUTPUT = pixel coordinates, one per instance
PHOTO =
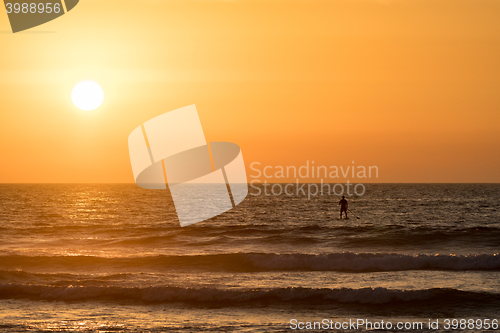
(343, 207)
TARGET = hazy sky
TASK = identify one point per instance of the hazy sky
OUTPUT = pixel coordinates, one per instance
(412, 87)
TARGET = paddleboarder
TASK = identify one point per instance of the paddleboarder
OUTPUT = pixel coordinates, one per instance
(343, 206)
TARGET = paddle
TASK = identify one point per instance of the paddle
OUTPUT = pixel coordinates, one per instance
(354, 214)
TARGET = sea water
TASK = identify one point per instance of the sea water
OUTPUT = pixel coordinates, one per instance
(112, 258)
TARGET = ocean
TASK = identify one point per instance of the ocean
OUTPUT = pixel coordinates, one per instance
(113, 258)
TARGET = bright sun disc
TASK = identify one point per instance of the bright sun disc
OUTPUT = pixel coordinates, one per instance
(87, 95)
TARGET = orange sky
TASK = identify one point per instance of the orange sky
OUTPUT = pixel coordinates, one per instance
(412, 87)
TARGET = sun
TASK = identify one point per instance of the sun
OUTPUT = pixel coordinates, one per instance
(87, 95)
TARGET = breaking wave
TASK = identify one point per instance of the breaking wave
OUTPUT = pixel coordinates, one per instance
(228, 297)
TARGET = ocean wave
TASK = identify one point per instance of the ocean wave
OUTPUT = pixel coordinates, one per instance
(259, 262)
(19, 275)
(421, 236)
(235, 230)
(323, 234)
(228, 297)
(363, 262)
